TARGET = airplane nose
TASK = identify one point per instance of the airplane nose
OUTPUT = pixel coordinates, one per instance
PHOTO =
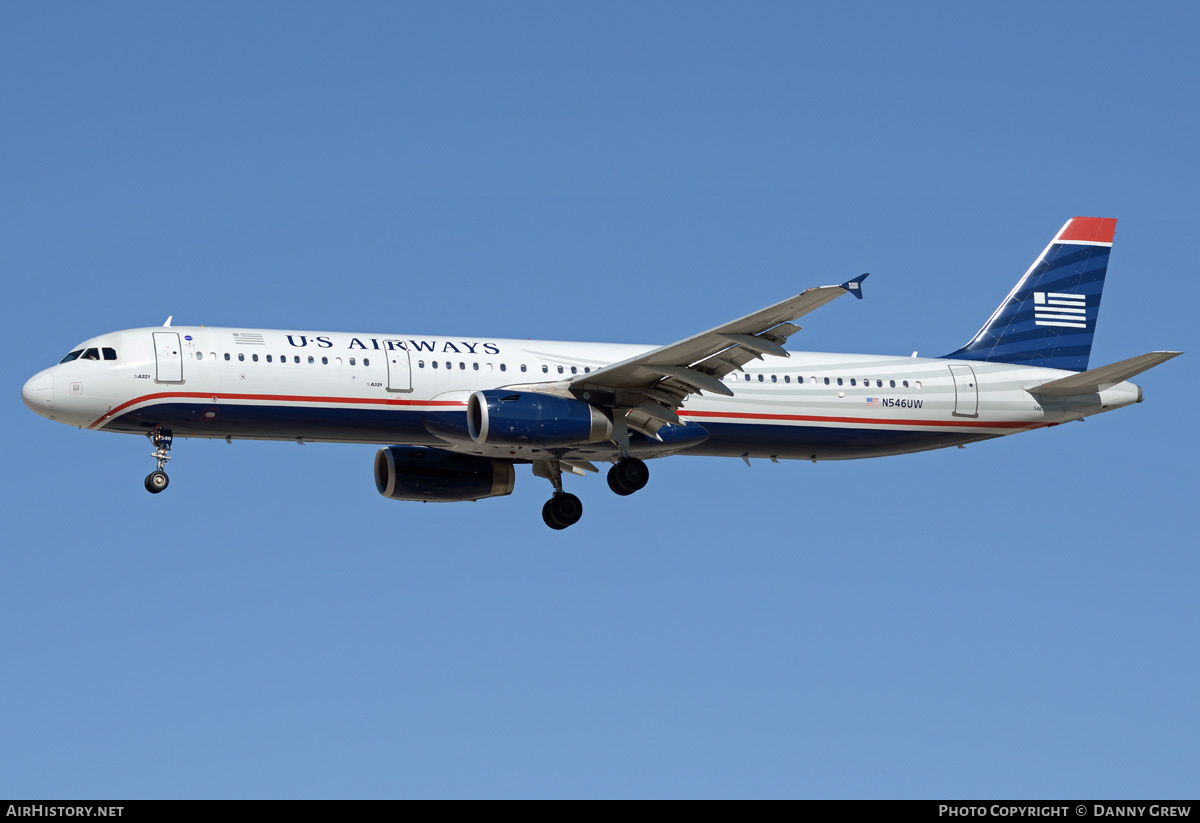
(38, 392)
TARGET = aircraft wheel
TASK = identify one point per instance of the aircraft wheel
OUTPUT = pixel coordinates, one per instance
(562, 510)
(156, 481)
(628, 476)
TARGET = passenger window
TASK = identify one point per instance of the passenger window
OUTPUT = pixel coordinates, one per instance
(226, 355)
(774, 379)
(311, 360)
(587, 369)
(917, 384)
(826, 381)
(366, 361)
(90, 354)
(906, 384)
(760, 378)
(268, 358)
(787, 378)
(462, 366)
(254, 357)
(879, 384)
(574, 370)
(212, 355)
(433, 364)
(475, 366)
(324, 361)
(799, 379)
(747, 378)
(351, 361)
(839, 381)
(420, 364)
(503, 367)
(111, 354)
(560, 369)
(449, 365)
(241, 357)
(337, 361)
(199, 355)
(522, 367)
(296, 358)
(545, 369)
(852, 383)
(892, 383)
(71, 356)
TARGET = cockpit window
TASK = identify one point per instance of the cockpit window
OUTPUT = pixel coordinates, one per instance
(109, 354)
(71, 356)
(90, 354)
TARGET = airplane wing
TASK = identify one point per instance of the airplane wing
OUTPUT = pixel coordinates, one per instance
(655, 384)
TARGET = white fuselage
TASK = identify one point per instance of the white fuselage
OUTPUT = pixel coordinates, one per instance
(411, 389)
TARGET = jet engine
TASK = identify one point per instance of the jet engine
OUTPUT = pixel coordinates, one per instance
(436, 476)
(506, 418)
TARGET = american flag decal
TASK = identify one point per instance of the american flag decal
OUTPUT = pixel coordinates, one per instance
(1056, 309)
(248, 339)
(872, 401)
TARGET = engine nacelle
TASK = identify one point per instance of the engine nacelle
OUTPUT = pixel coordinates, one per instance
(436, 476)
(508, 418)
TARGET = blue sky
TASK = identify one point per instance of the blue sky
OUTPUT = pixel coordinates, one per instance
(1016, 619)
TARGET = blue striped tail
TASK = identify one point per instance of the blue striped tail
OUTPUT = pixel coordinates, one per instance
(1049, 318)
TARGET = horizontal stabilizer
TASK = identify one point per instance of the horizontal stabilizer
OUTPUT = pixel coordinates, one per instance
(1097, 380)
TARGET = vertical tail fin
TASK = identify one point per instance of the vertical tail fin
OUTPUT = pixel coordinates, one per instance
(1049, 317)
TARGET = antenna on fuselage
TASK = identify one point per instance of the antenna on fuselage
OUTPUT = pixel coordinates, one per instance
(169, 316)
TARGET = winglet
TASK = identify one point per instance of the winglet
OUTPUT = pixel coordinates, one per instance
(855, 286)
(168, 323)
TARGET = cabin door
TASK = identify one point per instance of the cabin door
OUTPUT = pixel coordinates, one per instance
(399, 370)
(168, 357)
(966, 391)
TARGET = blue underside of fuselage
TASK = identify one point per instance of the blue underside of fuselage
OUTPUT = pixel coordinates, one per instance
(390, 426)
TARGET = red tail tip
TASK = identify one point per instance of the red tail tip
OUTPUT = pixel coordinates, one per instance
(1088, 230)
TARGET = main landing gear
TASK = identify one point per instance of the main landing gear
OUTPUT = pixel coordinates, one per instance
(157, 480)
(563, 509)
(628, 475)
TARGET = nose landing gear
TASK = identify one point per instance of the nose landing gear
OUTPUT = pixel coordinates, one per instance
(157, 480)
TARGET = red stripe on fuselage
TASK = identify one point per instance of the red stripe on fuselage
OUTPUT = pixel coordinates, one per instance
(402, 402)
(870, 421)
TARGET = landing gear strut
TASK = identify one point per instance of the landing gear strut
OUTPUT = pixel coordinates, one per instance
(563, 509)
(628, 475)
(157, 480)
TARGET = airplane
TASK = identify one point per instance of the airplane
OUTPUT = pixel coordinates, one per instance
(455, 415)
